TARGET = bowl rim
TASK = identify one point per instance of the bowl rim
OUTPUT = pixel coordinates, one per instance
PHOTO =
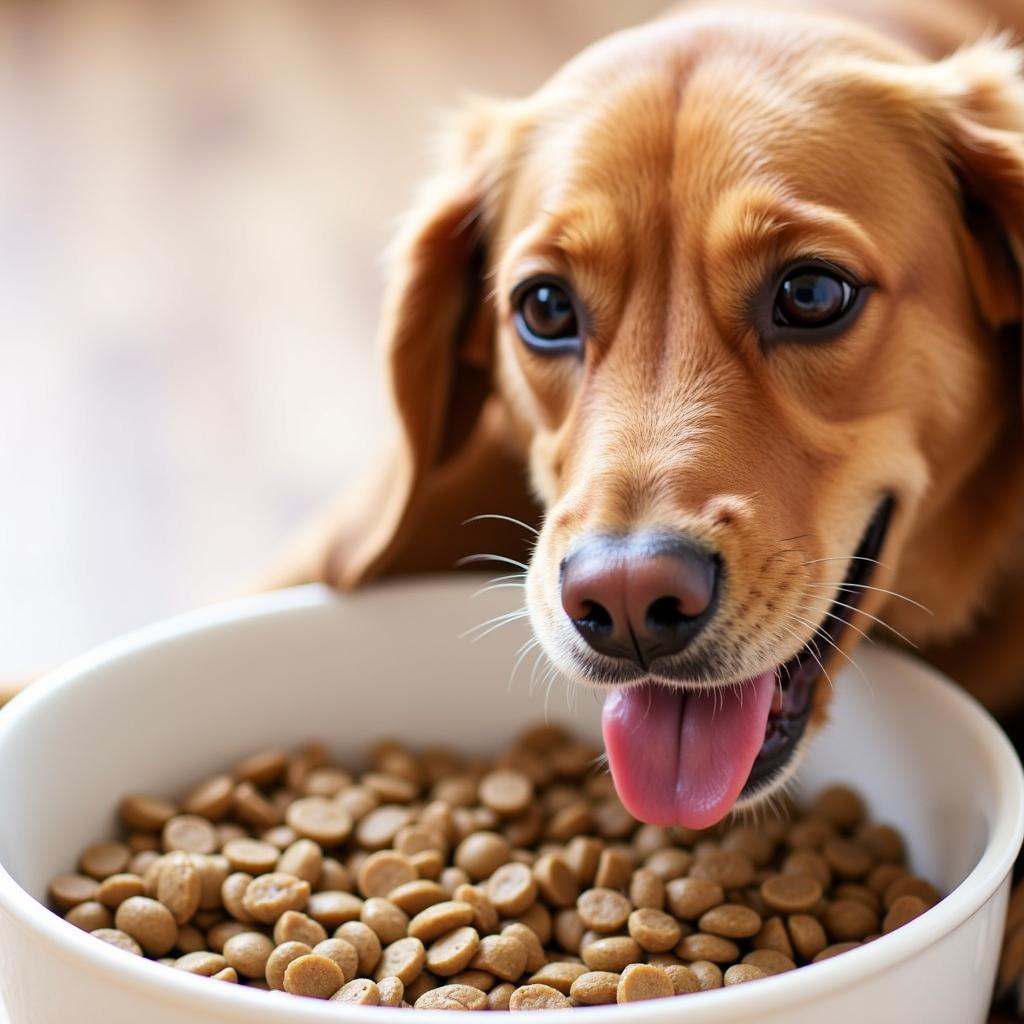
(197, 995)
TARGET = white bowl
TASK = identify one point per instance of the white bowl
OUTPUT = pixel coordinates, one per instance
(165, 706)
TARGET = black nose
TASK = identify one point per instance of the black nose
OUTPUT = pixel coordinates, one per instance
(641, 597)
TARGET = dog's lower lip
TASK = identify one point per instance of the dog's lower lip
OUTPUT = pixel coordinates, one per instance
(798, 677)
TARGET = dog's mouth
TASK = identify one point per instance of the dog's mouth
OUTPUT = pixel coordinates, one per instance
(685, 756)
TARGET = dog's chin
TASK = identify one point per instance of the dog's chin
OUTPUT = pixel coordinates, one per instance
(789, 726)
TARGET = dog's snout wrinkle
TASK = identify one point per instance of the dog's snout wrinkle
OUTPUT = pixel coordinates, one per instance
(639, 598)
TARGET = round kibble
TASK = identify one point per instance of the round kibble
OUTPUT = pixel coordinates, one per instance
(364, 941)
(269, 896)
(847, 858)
(847, 920)
(90, 917)
(145, 813)
(439, 919)
(302, 858)
(210, 799)
(603, 910)
(535, 955)
(595, 988)
(773, 935)
(391, 991)
(807, 934)
(201, 962)
(654, 930)
(68, 891)
(708, 974)
(452, 997)
(506, 792)
(731, 870)
(248, 952)
(834, 950)
(511, 889)
(116, 937)
(647, 890)
(190, 833)
(883, 842)
(293, 926)
(378, 826)
(342, 952)
(279, 959)
(643, 981)
(701, 946)
(538, 997)
(385, 918)
(910, 885)
(504, 956)
(383, 871)
(740, 973)
(689, 898)
(324, 821)
(150, 923)
(770, 961)
(413, 897)
(556, 881)
(902, 910)
(332, 908)
(101, 860)
(791, 894)
(500, 996)
(313, 975)
(611, 953)
(178, 886)
(481, 854)
(810, 863)
(669, 862)
(253, 856)
(730, 920)
(453, 951)
(113, 891)
(360, 992)
(840, 806)
(404, 959)
(683, 979)
(559, 974)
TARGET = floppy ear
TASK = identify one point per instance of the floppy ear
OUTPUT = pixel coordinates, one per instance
(452, 457)
(974, 100)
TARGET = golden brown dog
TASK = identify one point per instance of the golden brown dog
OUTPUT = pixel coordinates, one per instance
(730, 309)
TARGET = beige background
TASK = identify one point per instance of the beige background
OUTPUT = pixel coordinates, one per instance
(194, 197)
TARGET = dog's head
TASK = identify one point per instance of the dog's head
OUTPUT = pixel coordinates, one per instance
(743, 295)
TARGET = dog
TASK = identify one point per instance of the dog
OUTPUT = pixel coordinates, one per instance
(729, 313)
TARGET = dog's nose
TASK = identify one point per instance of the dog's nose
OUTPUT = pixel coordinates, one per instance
(641, 597)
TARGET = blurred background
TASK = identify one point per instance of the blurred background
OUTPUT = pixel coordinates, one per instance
(194, 199)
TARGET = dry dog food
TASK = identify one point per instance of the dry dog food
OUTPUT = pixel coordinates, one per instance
(442, 882)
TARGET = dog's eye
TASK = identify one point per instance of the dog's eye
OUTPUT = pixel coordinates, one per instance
(545, 316)
(811, 297)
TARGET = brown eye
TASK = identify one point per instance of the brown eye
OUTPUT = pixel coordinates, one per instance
(812, 297)
(546, 318)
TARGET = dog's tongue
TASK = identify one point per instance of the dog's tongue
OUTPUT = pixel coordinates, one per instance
(682, 758)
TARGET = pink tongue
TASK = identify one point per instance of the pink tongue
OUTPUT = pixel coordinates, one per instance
(682, 758)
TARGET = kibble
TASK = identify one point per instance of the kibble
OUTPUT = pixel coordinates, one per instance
(444, 882)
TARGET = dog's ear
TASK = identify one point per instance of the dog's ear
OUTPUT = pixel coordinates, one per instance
(974, 105)
(451, 458)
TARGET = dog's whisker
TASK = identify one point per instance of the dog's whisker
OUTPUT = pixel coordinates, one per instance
(816, 610)
(845, 558)
(470, 559)
(492, 624)
(498, 586)
(811, 650)
(522, 653)
(881, 590)
(507, 519)
(876, 619)
(824, 636)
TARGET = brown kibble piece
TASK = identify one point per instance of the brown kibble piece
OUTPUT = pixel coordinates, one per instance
(190, 833)
(730, 920)
(603, 910)
(770, 961)
(538, 997)
(669, 862)
(150, 923)
(611, 953)
(582, 854)
(740, 973)
(391, 991)
(452, 997)
(316, 817)
(279, 959)
(506, 792)
(773, 936)
(293, 926)
(229, 974)
(647, 890)
(252, 807)
(253, 856)
(101, 860)
(332, 908)
(413, 897)
(385, 918)
(178, 886)
(643, 981)
(304, 859)
(211, 799)
(500, 996)
(807, 934)
(910, 885)
(556, 881)
(453, 951)
(248, 952)
(482, 853)
(847, 858)
(840, 806)
(342, 952)
(512, 889)
(559, 974)
(883, 842)
(689, 898)
(113, 891)
(440, 918)
(115, 937)
(654, 930)
(708, 974)
(810, 863)
(68, 891)
(846, 920)
(145, 813)
(535, 955)
(731, 870)
(365, 942)
(504, 956)
(312, 975)
(595, 988)
(791, 894)
(90, 916)
(201, 962)
(684, 981)
(903, 909)
(404, 959)
(614, 869)
(267, 897)
(360, 992)
(701, 946)
(383, 871)
(834, 950)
